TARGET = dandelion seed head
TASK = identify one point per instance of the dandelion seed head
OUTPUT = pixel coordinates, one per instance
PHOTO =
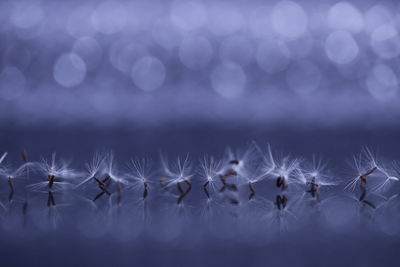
(317, 169)
(59, 169)
(139, 173)
(179, 171)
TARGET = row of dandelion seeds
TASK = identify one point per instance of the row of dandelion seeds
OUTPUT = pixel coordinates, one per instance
(253, 176)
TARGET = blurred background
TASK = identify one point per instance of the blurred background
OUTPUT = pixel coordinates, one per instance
(319, 63)
(143, 76)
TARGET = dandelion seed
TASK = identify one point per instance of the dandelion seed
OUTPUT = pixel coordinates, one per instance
(365, 165)
(11, 175)
(177, 174)
(363, 177)
(243, 165)
(285, 171)
(210, 171)
(58, 175)
(316, 176)
(94, 169)
(139, 175)
(315, 188)
(242, 168)
(111, 171)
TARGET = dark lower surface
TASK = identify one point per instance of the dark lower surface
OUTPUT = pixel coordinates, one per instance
(346, 243)
(72, 250)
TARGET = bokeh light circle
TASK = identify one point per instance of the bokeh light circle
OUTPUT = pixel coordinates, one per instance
(382, 82)
(109, 17)
(289, 19)
(188, 15)
(69, 70)
(346, 17)
(385, 41)
(148, 73)
(341, 47)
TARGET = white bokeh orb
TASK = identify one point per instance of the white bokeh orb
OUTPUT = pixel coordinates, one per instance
(289, 19)
(148, 73)
(346, 17)
(27, 14)
(109, 17)
(225, 19)
(382, 82)
(341, 48)
(79, 22)
(124, 53)
(376, 16)
(188, 15)
(385, 41)
(69, 70)
(260, 22)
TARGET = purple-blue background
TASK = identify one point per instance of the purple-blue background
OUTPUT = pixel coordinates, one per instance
(140, 77)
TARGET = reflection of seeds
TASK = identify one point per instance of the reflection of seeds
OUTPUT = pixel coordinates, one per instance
(50, 199)
(252, 191)
(281, 202)
(145, 190)
(205, 186)
(11, 184)
(369, 204)
(234, 201)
